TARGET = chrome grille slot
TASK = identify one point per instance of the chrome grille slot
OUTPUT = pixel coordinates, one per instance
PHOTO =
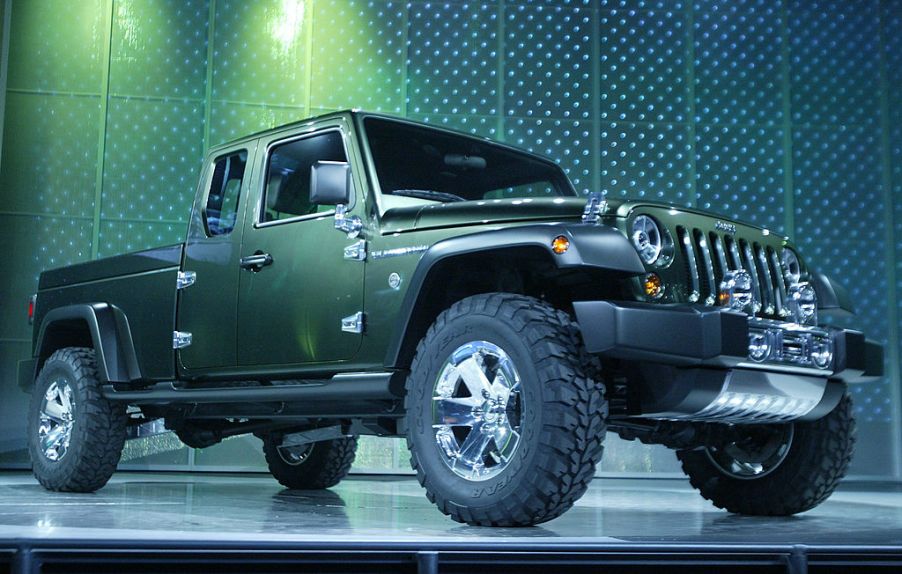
(733, 250)
(767, 282)
(780, 280)
(720, 256)
(710, 284)
(691, 264)
(753, 271)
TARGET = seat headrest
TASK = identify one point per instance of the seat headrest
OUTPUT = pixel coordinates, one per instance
(288, 195)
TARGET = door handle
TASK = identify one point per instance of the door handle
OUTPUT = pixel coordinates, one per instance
(256, 262)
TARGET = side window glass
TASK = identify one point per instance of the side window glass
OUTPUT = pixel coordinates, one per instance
(287, 192)
(225, 191)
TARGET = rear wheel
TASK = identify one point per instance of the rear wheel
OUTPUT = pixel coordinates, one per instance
(75, 435)
(505, 415)
(776, 470)
(310, 466)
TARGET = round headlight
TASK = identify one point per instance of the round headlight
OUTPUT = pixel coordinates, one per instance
(792, 268)
(647, 238)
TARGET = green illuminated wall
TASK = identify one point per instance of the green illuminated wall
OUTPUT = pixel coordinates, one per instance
(784, 113)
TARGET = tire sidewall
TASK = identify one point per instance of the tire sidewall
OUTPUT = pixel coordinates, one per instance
(436, 351)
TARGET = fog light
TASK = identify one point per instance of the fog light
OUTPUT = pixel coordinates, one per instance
(803, 303)
(821, 354)
(759, 346)
(654, 287)
(736, 290)
(560, 244)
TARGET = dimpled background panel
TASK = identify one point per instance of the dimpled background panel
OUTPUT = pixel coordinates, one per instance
(643, 68)
(452, 59)
(548, 51)
(740, 173)
(784, 113)
(738, 65)
(649, 161)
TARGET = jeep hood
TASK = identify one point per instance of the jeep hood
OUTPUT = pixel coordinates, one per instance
(488, 211)
(439, 215)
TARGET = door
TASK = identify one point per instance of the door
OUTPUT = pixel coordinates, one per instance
(208, 308)
(293, 299)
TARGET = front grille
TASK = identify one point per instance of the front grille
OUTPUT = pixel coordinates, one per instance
(709, 256)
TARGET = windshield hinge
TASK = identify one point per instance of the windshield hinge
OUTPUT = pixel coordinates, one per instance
(596, 204)
(356, 251)
(185, 279)
(353, 323)
(180, 339)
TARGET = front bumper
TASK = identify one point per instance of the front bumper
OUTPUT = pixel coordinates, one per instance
(698, 336)
(693, 362)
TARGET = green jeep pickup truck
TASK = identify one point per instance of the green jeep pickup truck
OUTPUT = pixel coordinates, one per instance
(357, 274)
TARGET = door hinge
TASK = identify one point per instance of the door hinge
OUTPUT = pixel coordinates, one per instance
(180, 339)
(356, 251)
(354, 323)
(185, 279)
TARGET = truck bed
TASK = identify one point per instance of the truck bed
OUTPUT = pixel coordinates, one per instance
(141, 284)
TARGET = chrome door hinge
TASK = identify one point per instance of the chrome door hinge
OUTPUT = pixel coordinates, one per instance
(354, 323)
(180, 339)
(185, 279)
(356, 251)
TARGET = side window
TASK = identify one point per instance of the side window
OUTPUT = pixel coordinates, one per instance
(287, 192)
(225, 191)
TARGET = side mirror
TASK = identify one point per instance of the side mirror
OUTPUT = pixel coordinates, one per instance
(330, 183)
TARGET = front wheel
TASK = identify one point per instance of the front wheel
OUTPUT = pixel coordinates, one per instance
(75, 435)
(776, 470)
(505, 414)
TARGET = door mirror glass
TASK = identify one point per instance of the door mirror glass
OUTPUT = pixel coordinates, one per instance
(330, 183)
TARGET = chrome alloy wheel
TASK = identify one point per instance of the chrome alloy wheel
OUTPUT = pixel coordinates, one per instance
(295, 455)
(755, 456)
(476, 411)
(57, 418)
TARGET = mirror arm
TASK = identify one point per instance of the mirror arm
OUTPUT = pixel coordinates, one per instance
(350, 224)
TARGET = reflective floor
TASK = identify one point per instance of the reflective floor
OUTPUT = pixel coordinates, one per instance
(254, 507)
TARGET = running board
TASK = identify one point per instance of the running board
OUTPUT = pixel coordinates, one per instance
(342, 387)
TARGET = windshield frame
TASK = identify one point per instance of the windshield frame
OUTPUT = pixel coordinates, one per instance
(566, 185)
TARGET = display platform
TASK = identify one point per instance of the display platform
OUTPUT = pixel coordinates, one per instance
(174, 522)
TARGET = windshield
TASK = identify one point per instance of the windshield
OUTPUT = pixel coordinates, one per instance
(416, 165)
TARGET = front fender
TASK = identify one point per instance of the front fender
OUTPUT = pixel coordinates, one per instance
(592, 246)
(110, 334)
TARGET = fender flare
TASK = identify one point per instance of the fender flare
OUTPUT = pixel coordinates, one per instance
(110, 333)
(594, 246)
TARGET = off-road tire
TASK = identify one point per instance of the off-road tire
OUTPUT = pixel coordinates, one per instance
(563, 421)
(99, 429)
(817, 460)
(327, 463)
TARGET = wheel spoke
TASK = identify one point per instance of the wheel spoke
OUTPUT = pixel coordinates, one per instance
(473, 376)
(472, 451)
(54, 410)
(54, 437)
(506, 440)
(456, 411)
(65, 399)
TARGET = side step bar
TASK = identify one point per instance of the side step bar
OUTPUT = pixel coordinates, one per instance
(342, 387)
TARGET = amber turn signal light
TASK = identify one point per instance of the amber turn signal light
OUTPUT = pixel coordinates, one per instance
(654, 288)
(560, 244)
